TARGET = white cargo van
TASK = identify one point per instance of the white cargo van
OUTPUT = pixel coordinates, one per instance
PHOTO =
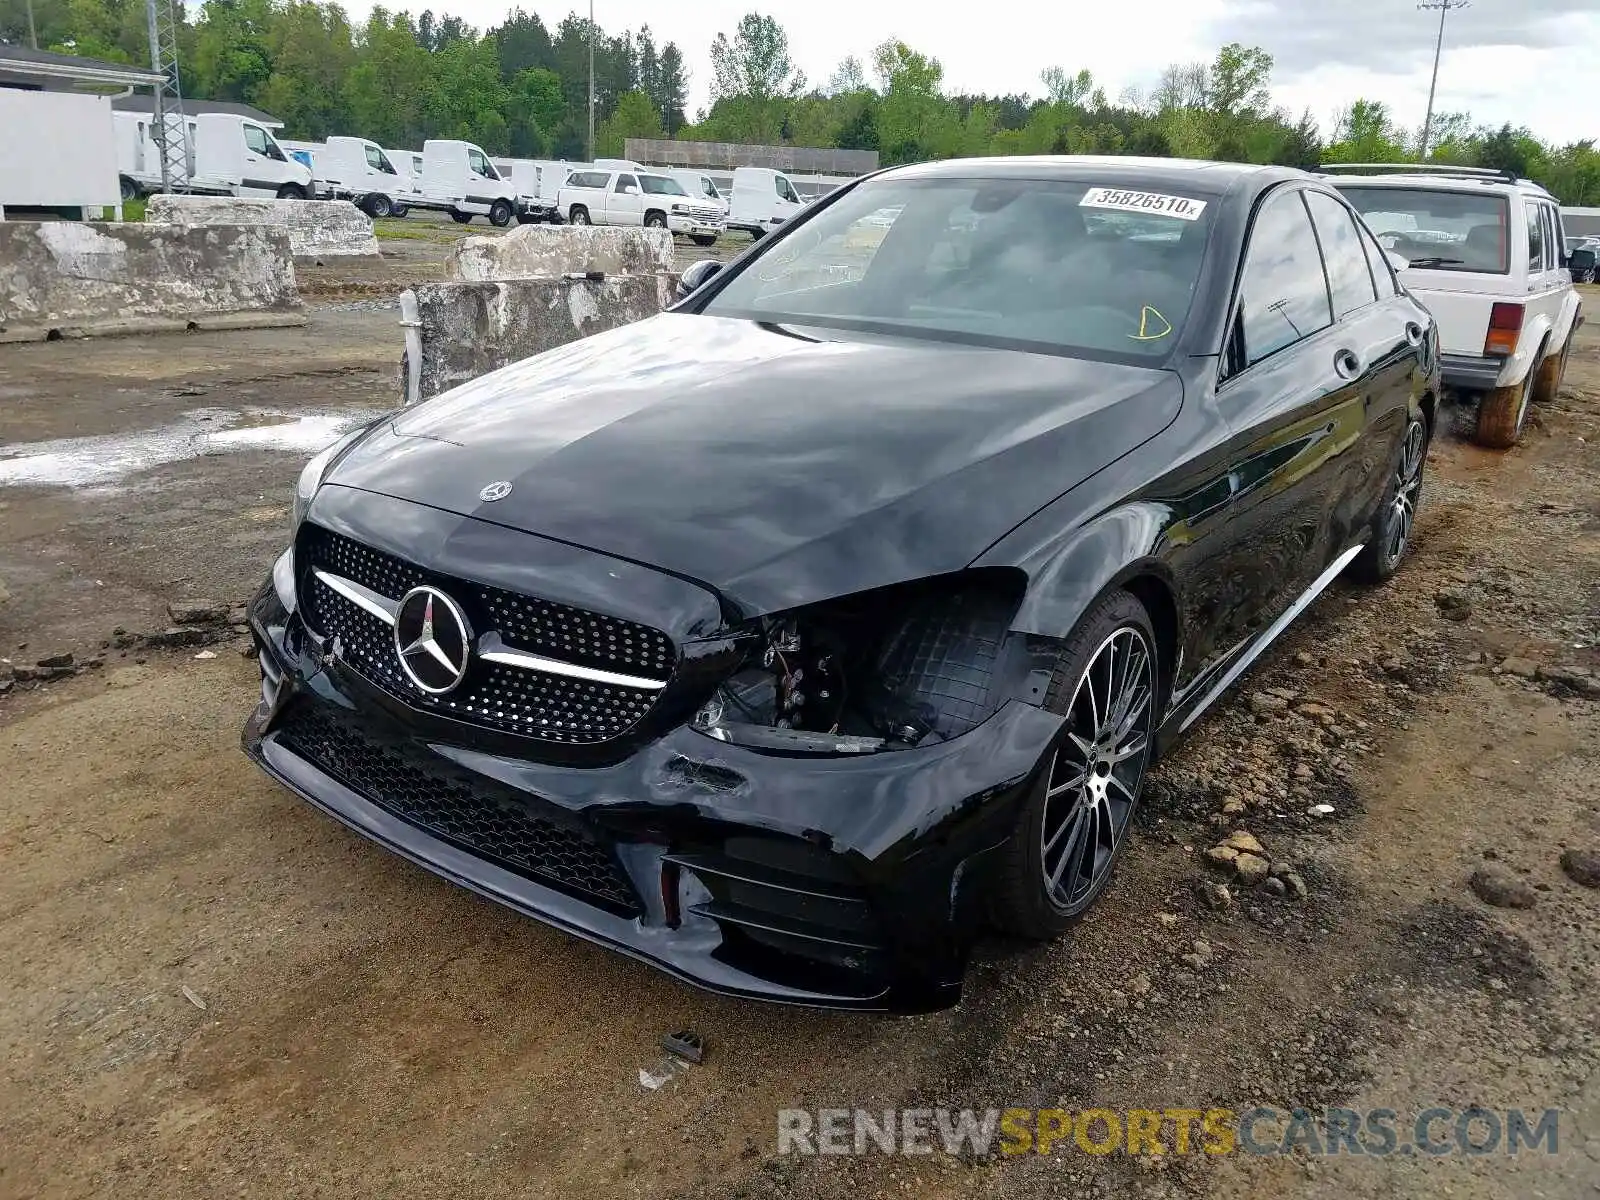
(600, 197)
(458, 178)
(361, 171)
(700, 186)
(763, 199)
(226, 155)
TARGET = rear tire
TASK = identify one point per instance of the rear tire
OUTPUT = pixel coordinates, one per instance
(1547, 384)
(1502, 412)
(1392, 527)
(579, 215)
(1074, 825)
(397, 209)
(377, 206)
(703, 239)
(500, 213)
(130, 189)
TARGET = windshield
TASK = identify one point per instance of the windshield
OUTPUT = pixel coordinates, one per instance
(1055, 265)
(1437, 230)
(657, 185)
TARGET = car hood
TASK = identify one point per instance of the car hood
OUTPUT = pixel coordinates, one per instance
(778, 465)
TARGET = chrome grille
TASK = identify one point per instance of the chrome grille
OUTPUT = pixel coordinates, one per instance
(502, 696)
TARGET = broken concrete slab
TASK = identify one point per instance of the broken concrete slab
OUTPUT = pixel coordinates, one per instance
(459, 331)
(555, 251)
(316, 228)
(77, 279)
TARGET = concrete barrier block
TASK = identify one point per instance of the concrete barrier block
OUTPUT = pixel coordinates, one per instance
(316, 228)
(71, 279)
(459, 331)
(551, 251)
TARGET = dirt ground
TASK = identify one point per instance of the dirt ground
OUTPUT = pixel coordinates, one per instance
(211, 989)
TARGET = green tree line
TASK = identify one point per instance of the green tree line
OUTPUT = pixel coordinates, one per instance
(521, 88)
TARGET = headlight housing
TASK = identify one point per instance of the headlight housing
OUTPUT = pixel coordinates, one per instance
(311, 476)
(889, 669)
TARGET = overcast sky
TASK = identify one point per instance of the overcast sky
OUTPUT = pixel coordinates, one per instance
(1530, 62)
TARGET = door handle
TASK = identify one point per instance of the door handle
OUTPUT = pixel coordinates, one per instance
(1413, 333)
(1346, 365)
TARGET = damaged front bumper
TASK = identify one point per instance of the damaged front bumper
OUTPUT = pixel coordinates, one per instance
(853, 882)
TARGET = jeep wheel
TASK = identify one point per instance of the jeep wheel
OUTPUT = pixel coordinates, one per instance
(1552, 371)
(1501, 414)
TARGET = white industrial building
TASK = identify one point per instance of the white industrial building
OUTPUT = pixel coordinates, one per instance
(57, 145)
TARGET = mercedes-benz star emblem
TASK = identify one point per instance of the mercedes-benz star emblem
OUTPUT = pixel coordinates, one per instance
(497, 490)
(433, 639)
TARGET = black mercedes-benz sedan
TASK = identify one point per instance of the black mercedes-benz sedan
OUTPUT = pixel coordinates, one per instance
(788, 639)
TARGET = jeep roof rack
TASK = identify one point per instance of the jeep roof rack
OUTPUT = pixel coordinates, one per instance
(1441, 169)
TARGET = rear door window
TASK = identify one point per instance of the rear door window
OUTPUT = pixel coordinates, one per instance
(1349, 276)
(1437, 230)
(1283, 294)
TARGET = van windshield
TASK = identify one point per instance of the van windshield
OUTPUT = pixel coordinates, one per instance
(1435, 229)
(1052, 265)
(659, 185)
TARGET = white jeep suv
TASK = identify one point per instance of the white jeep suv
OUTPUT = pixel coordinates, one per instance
(1486, 254)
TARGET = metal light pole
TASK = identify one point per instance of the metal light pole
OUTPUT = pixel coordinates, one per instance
(1444, 7)
(591, 80)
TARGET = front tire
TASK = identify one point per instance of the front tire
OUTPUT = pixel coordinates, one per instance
(459, 217)
(500, 213)
(655, 220)
(703, 239)
(1391, 528)
(291, 191)
(1547, 384)
(1072, 829)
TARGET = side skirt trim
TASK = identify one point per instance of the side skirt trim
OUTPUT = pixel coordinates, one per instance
(1242, 663)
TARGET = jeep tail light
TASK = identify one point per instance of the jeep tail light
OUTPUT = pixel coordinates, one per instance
(1505, 326)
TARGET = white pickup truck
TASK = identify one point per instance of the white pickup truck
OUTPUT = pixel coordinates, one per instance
(605, 197)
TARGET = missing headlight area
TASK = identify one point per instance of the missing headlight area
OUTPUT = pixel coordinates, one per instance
(897, 667)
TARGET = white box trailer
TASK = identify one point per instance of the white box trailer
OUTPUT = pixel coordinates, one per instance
(57, 150)
(225, 155)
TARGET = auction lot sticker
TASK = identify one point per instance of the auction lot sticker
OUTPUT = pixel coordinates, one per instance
(1143, 202)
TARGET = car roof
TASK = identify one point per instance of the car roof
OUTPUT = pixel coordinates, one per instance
(1119, 169)
(1442, 183)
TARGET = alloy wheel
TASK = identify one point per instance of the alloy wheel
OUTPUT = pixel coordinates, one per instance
(1408, 487)
(1098, 768)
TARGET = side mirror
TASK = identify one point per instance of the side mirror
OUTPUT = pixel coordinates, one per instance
(629, 189)
(1580, 262)
(1398, 261)
(695, 275)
